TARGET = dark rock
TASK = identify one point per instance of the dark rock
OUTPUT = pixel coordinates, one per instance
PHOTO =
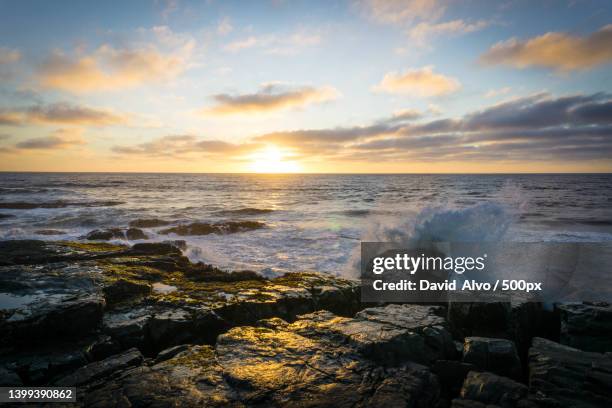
(105, 235)
(179, 243)
(154, 248)
(496, 355)
(586, 326)
(489, 388)
(48, 318)
(29, 252)
(103, 347)
(135, 233)
(101, 369)
(49, 232)
(171, 352)
(9, 378)
(202, 228)
(451, 374)
(123, 289)
(149, 223)
(256, 366)
(3, 216)
(567, 377)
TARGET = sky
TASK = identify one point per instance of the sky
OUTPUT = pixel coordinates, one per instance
(356, 86)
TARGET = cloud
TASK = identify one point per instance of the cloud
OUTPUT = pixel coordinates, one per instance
(60, 139)
(272, 97)
(402, 11)
(422, 82)
(407, 114)
(109, 68)
(180, 146)
(10, 118)
(492, 93)
(537, 127)
(277, 44)
(62, 113)
(532, 128)
(8, 55)
(423, 32)
(557, 51)
(225, 26)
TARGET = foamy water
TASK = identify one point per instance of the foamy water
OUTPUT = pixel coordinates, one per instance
(314, 222)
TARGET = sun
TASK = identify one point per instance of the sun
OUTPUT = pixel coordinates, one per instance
(273, 160)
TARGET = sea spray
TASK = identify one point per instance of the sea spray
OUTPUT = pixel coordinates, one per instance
(484, 222)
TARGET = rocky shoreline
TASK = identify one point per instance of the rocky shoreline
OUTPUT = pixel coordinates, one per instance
(143, 326)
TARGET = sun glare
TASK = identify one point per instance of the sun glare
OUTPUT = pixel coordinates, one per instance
(272, 160)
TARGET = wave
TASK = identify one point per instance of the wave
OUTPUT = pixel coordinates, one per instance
(484, 222)
(22, 205)
(245, 211)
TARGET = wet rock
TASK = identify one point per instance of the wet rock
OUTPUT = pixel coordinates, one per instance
(124, 289)
(50, 317)
(202, 228)
(491, 389)
(49, 232)
(255, 366)
(105, 235)
(135, 233)
(178, 243)
(564, 376)
(97, 370)
(390, 335)
(154, 248)
(149, 223)
(171, 352)
(586, 326)
(104, 346)
(496, 355)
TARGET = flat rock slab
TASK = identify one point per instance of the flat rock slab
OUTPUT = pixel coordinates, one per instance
(390, 335)
(261, 366)
(569, 377)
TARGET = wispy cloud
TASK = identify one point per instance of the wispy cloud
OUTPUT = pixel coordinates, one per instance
(60, 139)
(277, 44)
(492, 93)
(420, 82)
(224, 26)
(9, 55)
(271, 97)
(554, 50)
(402, 11)
(62, 113)
(422, 33)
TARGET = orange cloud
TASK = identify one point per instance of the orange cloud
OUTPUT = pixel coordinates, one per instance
(558, 51)
(109, 69)
(270, 98)
(423, 82)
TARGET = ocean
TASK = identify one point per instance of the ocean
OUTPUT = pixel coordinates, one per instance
(313, 222)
